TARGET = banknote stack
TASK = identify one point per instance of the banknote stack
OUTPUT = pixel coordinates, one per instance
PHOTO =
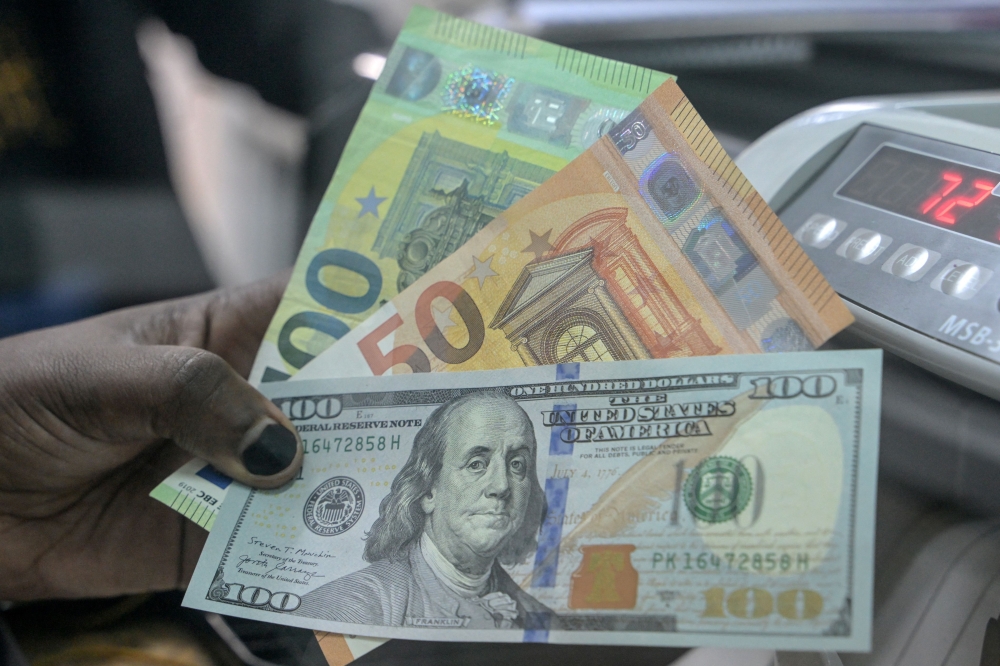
(522, 210)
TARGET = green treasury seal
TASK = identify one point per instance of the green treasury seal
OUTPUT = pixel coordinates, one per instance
(718, 489)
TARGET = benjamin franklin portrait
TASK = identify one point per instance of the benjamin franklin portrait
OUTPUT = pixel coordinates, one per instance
(466, 503)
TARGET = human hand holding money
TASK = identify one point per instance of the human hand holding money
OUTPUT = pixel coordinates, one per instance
(722, 501)
(94, 413)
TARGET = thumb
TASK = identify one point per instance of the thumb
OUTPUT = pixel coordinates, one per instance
(195, 399)
(215, 414)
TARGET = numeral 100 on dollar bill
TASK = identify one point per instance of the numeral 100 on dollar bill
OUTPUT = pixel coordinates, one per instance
(754, 603)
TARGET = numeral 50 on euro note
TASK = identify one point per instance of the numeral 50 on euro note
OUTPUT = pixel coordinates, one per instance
(412, 355)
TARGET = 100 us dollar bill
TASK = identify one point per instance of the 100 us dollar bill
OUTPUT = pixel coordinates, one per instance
(464, 121)
(723, 501)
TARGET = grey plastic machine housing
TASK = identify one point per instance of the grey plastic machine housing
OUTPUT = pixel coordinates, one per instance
(941, 418)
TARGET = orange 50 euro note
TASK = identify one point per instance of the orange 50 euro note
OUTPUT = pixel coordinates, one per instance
(651, 244)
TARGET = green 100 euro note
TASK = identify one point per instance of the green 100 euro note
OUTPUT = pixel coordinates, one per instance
(464, 121)
(725, 501)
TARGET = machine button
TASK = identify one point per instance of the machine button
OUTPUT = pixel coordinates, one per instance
(961, 279)
(864, 245)
(819, 230)
(911, 262)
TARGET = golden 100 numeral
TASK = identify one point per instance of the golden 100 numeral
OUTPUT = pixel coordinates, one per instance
(752, 603)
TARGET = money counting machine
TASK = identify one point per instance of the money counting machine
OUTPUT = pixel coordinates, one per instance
(897, 201)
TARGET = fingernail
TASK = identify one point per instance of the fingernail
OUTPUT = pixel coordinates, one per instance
(273, 451)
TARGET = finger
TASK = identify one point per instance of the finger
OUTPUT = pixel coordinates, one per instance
(228, 322)
(190, 396)
(215, 414)
(239, 319)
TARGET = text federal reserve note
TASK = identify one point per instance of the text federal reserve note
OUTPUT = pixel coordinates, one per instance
(723, 500)
(651, 244)
(464, 121)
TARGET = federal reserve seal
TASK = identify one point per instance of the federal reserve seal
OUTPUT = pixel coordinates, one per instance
(334, 507)
(718, 489)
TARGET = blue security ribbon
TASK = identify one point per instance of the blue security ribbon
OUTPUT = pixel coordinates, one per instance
(549, 537)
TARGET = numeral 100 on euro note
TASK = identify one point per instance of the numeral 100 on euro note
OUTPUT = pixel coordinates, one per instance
(331, 299)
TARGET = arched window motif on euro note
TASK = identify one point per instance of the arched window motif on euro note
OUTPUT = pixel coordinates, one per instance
(579, 342)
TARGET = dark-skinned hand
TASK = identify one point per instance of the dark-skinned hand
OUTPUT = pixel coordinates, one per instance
(93, 415)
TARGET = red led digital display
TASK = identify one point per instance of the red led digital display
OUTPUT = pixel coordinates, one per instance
(929, 189)
(944, 208)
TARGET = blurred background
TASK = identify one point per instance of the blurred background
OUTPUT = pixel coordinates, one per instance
(156, 148)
